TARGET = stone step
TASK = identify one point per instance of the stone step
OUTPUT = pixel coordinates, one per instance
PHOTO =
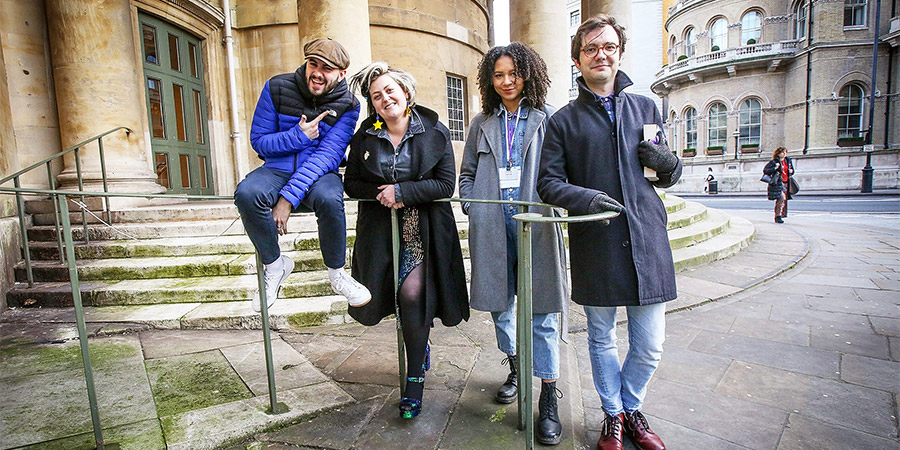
(690, 212)
(714, 223)
(672, 203)
(165, 290)
(737, 236)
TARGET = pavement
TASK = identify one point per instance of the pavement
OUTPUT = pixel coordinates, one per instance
(805, 193)
(793, 343)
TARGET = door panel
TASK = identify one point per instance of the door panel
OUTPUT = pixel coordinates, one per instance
(176, 100)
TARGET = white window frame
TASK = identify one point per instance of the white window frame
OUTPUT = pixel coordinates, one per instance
(856, 5)
(748, 30)
(845, 98)
(456, 107)
(719, 127)
(721, 38)
(690, 128)
(801, 15)
(751, 131)
(690, 42)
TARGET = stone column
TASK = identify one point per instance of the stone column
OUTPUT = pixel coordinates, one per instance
(346, 21)
(621, 10)
(99, 87)
(542, 24)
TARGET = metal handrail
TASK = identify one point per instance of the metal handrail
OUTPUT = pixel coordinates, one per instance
(523, 312)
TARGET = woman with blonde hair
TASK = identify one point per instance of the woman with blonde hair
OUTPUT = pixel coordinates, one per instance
(401, 157)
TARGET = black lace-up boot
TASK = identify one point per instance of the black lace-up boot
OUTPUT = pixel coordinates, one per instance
(548, 430)
(507, 392)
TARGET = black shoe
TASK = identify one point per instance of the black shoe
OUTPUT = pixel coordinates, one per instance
(548, 430)
(508, 391)
(778, 220)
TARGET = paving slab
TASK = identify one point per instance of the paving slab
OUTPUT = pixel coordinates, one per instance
(388, 430)
(787, 333)
(835, 281)
(692, 368)
(789, 357)
(829, 401)
(702, 410)
(217, 425)
(142, 435)
(865, 344)
(818, 318)
(159, 344)
(291, 369)
(886, 284)
(325, 352)
(321, 432)
(871, 372)
(701, 287)
(21, 361)
(805, 433)
(43, 406)
(160, 316)
(189, 382)
(855, 306)
(886, 326)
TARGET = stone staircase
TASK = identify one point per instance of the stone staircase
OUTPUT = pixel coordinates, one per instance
(191, 265)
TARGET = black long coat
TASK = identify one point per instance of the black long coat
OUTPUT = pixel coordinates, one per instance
(433, 176)
(630, 261)
(776, 187)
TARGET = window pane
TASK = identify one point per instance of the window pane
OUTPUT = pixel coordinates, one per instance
(203, 181)
(177, 93)
(173, 53)
(455, 107)
(192, 54)
(157, 126)
(198, 120)
(161, 160)
(149, 36)
(185, 163)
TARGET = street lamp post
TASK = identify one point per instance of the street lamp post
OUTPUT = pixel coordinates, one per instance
(868, 171)
(737, 136)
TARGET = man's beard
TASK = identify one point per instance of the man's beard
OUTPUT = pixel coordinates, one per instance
(329, 85)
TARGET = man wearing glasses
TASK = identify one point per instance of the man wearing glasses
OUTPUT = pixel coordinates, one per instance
(593, 160)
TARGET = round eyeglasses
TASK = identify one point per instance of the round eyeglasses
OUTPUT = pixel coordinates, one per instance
(609, 49)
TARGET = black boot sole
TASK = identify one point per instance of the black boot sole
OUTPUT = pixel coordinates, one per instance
(505, 400)
(548, 441)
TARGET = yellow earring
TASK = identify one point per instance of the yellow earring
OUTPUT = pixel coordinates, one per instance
(408, 110)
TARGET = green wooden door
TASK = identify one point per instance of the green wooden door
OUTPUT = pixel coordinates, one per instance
(176, 102)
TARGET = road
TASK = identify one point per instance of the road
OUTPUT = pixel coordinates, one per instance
(888, 204)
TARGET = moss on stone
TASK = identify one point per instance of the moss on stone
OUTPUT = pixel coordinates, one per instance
(68, 356)
(189, 382)
(307, 319)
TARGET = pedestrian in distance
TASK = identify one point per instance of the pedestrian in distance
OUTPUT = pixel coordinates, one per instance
(592, 161)
(401, 157)
(781, 169)
(709, 177)
(301, 127)
(500, 162)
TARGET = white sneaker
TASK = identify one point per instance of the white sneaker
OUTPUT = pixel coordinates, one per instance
(273, 282)
(356, 293)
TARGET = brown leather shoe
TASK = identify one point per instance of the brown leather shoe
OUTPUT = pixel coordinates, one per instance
(637, 429)
(611, 433)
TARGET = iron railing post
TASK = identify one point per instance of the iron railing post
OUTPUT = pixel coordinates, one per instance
(401, 350)
(524, 328)
(23, 233)
(103, 176)
(79, 322)
(81, 189)
(267, 338)
(52, 182)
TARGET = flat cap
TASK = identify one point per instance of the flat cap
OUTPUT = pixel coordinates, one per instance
(327, 50)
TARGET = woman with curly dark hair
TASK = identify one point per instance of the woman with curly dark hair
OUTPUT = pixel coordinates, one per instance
(500, 162)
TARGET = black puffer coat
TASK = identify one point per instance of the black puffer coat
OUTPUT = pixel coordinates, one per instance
(776, 187)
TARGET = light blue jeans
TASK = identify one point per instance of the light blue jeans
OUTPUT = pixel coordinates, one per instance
(545, 327)
(623, 388)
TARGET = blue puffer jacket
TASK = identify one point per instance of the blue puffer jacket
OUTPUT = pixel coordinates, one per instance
(276, 135)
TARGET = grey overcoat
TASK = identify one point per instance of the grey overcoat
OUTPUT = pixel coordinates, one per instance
(478, 178)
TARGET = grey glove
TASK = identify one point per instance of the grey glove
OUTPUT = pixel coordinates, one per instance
(657, 156)
(602, 202)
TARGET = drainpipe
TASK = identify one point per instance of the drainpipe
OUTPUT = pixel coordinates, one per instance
(868, 172)
(809, 30)
(887, 103)
(236, 136)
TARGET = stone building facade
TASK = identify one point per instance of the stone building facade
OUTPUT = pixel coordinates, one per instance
(744, 77)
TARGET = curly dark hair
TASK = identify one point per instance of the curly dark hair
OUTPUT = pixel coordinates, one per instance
(529, 66)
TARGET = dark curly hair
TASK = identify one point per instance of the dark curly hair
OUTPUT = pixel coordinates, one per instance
(529, 66)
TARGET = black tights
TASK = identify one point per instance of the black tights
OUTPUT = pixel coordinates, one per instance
(411, 299)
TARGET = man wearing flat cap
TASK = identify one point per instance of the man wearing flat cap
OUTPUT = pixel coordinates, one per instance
(301, 127)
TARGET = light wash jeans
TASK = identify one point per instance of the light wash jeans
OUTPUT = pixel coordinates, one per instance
(623, 388)
(545, 327)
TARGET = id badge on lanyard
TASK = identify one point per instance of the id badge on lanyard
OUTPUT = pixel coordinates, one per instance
(509, 175)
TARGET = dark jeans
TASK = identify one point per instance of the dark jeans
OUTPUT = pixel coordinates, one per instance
(257, 194)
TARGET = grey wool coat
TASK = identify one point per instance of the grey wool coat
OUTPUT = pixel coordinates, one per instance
(628, 262)
(478, 179)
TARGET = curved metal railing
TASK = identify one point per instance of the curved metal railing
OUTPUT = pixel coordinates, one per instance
(524, 309)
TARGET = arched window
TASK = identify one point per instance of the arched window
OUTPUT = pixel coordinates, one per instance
(751, 28)
(750, 122)
(800, 14)
(855, 13)
(850, 111)
(690, 129)
(718, 126)
(690, 42)
(718, 35)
